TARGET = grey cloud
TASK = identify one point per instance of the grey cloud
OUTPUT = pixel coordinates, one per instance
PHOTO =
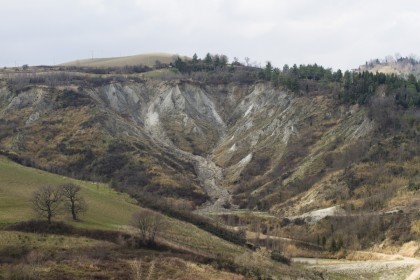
(338, 34)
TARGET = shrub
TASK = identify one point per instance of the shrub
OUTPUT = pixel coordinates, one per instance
(413, 186)
(279, 257)
(10, 253)
(149, 224)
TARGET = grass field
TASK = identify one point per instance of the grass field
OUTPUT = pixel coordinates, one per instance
(35, 256)
(107, 209)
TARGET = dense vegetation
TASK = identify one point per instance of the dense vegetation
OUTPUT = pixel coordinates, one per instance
(356, 87)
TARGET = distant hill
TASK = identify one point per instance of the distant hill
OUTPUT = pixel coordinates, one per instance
(403, 66)
(148, 59)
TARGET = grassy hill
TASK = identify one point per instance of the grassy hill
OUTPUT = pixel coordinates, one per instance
(35, 256)
(148, 59)
(108, 209)
(187, 253)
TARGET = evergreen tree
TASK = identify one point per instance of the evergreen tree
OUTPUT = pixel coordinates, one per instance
(267, 71)
(181, 65)
(338, 76)
(194, 58)
(223, 60)
(216, 61)
(295, 71)
(275, 77)
(208, 60)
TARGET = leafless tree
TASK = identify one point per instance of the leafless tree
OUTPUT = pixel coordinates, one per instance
(73, 201)
(384, 112)
(47, 201)
(389, 59)
(149, 224)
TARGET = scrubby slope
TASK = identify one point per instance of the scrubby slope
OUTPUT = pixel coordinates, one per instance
(231, 144)
(185, 252)
(193, 142)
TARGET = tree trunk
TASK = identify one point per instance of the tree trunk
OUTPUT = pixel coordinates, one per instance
(73, 212)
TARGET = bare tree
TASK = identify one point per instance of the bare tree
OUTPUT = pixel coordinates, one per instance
(47, 201)
(149, 224)
(73, 201)
(247, 59)
(389, 59)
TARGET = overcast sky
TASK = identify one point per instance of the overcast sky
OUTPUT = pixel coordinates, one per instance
(334, 33)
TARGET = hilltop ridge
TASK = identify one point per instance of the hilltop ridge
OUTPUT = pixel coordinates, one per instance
(147, 59)
(403, 66)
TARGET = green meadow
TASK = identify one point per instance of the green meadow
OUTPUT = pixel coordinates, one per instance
(107, 209)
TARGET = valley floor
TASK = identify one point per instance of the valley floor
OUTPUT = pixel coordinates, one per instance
(388, 267)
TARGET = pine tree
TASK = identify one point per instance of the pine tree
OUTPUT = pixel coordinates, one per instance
(267, 71)
(195, 58)
(208, 60)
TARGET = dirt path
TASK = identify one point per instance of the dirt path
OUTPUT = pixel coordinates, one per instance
(389, 268)
(253, 235)
(415, 275)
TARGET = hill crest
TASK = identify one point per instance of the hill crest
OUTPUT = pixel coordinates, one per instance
(146, 59)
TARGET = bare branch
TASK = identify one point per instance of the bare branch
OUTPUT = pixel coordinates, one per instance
(149, 224)
(47, 201)
(73, 201)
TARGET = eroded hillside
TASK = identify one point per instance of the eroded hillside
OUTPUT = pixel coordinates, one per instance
(216, 146)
